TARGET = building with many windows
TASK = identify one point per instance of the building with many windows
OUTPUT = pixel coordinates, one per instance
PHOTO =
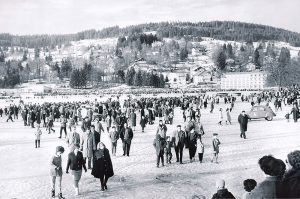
(243, 80)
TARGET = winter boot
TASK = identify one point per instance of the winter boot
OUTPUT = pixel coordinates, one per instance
(60, 196)
(53, 193)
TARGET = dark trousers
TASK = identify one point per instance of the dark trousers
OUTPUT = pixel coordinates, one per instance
(160, 157)
(32, 124)
(113, 148)
(103, 181)
(37, 143)
(200, 156)
(61, 129)
(126, 147)
(16, 116)
(243, 134)
(192, 151)
(25, 122)
(9, 118)
(179, 152)
(168, 157)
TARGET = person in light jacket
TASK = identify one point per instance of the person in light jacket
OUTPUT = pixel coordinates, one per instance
(228, 116)
(114, 136)
(88, 145)
(200, 149)
(273, 169)
(215, 146)
(56, 171)
(73, 139)
(38, 134)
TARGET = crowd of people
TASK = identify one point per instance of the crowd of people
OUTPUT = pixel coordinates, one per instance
(82, 125)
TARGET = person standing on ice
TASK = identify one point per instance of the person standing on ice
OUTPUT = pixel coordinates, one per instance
(178, 140)
(228, 116)
(63, 126)
(38, 134)
(103, 168)
(243, 121)
(75, 163)
(159, 144)
(56, 171)
(215, 146)
(114, 136)
(126, 135)
(73, 139)
(88, 145)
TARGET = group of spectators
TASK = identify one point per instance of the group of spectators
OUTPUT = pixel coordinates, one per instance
(120, 121)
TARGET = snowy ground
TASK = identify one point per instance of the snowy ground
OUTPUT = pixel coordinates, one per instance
(25, 170)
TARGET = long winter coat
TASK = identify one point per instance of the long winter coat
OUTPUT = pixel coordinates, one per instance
(88, 144)
(159, 143)
(108, 121)
(290, 185)
(267, 188)
(38, 134)
(243, 120)
(103, 164)
(133, 119)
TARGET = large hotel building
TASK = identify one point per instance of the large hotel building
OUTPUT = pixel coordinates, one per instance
(243, 80)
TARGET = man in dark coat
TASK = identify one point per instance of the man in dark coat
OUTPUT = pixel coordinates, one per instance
(86, 124)
(295, 112)
(159, 143)
(126, 135)
(96, 134)
(178, 140)
(243, 121)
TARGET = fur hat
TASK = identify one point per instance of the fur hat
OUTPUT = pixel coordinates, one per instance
(294, 159)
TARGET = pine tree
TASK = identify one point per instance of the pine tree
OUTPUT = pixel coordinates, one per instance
(257, 58)
(221, 60)
(138, 80)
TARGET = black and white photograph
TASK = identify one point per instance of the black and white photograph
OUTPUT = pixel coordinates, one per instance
(149, 99)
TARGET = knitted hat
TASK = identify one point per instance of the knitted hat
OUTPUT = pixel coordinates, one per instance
(294, 159)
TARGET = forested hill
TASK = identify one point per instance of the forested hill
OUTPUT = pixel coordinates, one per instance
(222, 30)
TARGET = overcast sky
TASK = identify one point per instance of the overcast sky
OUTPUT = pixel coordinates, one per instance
(70, 16)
